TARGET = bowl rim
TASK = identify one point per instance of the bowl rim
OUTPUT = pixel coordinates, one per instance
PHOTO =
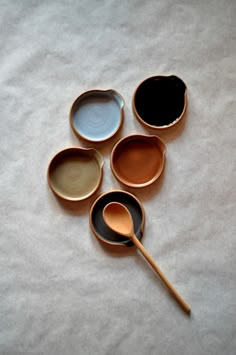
(164, 127)
(95, 92)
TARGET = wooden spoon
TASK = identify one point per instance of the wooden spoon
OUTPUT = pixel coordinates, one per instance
(119, 219)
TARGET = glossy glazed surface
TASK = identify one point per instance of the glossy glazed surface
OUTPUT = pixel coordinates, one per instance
(98, 225)
(160, 101)
(138, 160)
(75, 173)
(97, 115)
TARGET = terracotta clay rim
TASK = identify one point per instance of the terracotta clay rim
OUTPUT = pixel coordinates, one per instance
(158, 128)
(100, 163)
(130, 137)
(91, 212)
(94, 91)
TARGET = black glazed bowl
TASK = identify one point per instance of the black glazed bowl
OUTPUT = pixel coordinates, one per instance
(98, 225)
(159, 102)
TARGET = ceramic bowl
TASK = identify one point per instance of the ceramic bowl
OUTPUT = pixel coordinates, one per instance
(97, 115)
(98, 225)
(159, 102)
(138, 160)
(74, 174)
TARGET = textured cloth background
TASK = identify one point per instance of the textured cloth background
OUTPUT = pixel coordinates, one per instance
(61, 291)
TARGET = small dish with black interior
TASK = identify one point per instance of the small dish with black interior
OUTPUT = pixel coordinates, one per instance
(100, 228)
(159, 102)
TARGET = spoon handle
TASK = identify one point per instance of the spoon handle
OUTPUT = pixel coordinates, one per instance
(151, 261)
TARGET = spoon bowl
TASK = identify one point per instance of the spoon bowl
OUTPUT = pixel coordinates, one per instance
(118, 218)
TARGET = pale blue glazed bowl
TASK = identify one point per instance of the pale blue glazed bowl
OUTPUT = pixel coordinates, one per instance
(97, 115)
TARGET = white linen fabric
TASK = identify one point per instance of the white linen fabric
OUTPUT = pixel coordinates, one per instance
(62, 292)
